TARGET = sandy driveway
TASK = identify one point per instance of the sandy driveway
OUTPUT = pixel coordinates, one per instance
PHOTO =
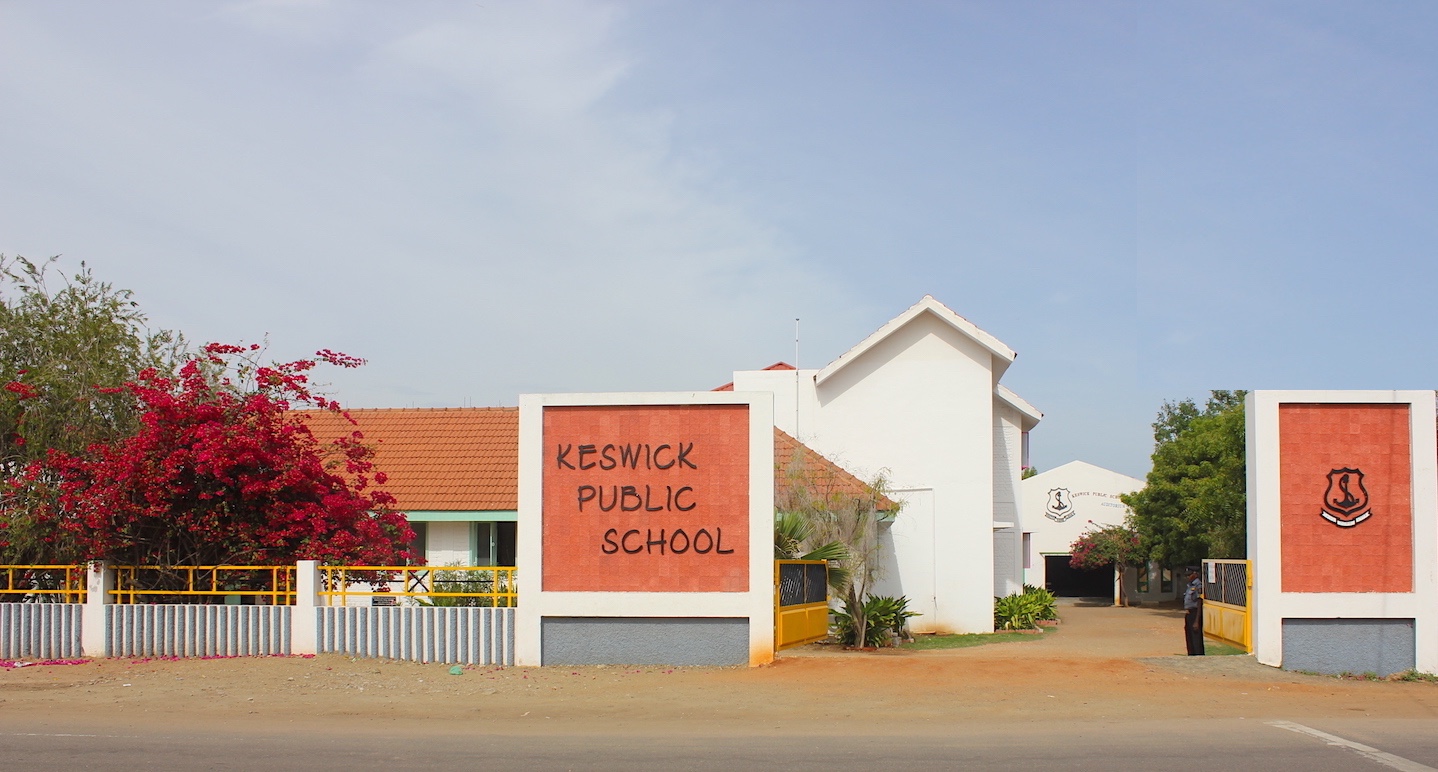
(1102, 664)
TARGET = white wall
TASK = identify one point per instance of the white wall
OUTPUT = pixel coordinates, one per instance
(909, 542)
(448, 544)
(795, 418)
(1093, 494)
(918, 404)
(1008, 540)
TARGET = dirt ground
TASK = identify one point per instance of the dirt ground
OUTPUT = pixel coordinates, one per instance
(1100, 664)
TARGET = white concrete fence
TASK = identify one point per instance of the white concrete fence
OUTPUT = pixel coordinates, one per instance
(464, 635)
(101, 628)
(40, 630)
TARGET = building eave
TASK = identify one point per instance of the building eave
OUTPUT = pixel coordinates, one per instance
(1031, 414)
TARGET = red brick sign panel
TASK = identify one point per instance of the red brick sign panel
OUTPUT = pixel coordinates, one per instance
(1345, 488)
(651, 498)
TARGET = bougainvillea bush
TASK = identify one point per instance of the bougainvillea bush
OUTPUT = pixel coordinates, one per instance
(1113, 545)
(219, 472)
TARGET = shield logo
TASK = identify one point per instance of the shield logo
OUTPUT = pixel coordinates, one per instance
(1345, 503)
(1060, 506)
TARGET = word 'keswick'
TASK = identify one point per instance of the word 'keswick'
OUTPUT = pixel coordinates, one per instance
(641, 455)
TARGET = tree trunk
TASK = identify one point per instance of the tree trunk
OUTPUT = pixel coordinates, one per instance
(1120, 590)
(859, 619)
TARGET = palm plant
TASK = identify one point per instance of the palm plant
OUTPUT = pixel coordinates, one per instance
(835, 518)
(793, 534)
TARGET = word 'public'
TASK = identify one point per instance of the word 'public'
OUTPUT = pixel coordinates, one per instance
(628, 499)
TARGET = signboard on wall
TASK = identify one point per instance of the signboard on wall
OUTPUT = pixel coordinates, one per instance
(646, 498)
(1345, 487)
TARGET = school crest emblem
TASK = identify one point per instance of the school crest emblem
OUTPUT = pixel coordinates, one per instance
(1345, 502)
(1060, 506)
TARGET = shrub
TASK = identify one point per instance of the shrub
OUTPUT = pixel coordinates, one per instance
(886, 617)
(1046, 603)
(1023, 611)
(466, 581)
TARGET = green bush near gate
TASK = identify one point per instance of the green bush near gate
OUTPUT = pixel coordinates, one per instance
(1024, 611)
(1046, 603)
(887, 617)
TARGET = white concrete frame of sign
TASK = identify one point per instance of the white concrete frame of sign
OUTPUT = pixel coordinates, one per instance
(1270, 605)
(757, 605)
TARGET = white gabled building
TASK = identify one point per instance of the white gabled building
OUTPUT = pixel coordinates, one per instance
(920, 401)
(1059, 506)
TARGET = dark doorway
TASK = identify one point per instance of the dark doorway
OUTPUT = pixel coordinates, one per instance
(505, 538)
(1067, 582)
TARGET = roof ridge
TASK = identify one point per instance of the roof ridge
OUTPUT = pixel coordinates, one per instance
(1003, 356)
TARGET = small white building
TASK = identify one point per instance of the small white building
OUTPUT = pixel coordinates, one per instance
(1059, 506)
(919, 400)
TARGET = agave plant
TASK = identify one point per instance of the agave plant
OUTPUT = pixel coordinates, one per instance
(1022, 611)
(1046, 605)
(884, 618)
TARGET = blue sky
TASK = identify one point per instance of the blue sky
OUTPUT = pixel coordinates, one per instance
(1145, 200)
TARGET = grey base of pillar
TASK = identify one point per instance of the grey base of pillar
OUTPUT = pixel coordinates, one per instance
(644, 641)
(1334, 646)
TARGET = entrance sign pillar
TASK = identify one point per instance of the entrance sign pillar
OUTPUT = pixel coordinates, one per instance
(1343, 530)
(646, 529)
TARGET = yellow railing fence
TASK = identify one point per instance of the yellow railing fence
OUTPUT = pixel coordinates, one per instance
(268, 585)
(485, 586)
(42, 584)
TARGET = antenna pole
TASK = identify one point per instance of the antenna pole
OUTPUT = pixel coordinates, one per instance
(796, 377)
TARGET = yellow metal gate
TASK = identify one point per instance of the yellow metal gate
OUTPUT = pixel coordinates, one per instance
(801, 602)
(1227, 593)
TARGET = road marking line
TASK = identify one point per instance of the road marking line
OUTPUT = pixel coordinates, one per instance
(1372, 754)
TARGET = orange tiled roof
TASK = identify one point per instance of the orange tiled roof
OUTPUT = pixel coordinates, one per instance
(438, 459)
(467, 459)
(825, 476)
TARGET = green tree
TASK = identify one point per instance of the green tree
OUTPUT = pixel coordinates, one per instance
(67, 347)
(65, 353)
(1195, 503)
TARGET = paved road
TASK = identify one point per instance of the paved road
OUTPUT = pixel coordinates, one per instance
(1228, 744)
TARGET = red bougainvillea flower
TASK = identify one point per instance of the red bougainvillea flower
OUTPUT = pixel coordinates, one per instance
(21, 390)
(220, 473)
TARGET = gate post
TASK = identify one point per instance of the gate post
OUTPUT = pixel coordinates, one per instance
(99, 581)
(304, 622)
